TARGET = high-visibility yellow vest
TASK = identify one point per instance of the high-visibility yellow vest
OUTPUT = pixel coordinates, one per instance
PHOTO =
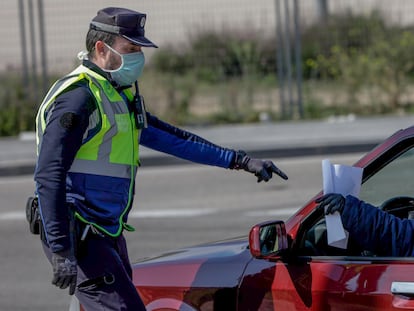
(113, 151)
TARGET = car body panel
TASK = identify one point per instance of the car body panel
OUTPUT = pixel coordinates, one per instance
(225, 276)
(203, 275)
(325, 284)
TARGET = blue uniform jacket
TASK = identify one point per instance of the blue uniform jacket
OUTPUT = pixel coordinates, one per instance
(376, 230)
(64, 135)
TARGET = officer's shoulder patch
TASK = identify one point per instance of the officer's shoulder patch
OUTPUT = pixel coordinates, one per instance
(68, 120)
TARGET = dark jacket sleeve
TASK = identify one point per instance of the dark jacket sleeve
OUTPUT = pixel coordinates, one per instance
(166, 138)
(376, 230)
(67, 121)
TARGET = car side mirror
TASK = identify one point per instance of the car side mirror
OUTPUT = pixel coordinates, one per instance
(268, 239)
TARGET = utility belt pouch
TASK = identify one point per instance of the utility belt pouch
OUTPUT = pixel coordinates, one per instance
(33, 215)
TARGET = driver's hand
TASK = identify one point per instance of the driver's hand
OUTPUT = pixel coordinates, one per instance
(331, 203)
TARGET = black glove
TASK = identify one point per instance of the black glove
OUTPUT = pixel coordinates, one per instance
(64, 270)
(332, 201)
(262, 169)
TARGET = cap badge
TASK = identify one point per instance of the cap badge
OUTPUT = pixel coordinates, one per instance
(142, 22)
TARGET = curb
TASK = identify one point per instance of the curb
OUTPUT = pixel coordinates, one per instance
(27, 167)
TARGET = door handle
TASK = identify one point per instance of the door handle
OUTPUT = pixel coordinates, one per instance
(402, 288)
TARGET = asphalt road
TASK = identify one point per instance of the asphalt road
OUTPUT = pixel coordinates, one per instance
(182, 205)
(176, 206)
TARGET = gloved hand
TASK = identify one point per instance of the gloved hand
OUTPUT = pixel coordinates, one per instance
(64, 270)
(262, 169)
(332, 201)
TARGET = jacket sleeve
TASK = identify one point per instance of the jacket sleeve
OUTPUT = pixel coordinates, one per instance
(376, 230)
(169, 139)
(67, 121)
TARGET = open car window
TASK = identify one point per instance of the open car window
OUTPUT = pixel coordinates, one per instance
(393, 180)
(391, 188)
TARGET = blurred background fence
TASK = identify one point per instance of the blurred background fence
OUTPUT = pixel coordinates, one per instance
(224, 61)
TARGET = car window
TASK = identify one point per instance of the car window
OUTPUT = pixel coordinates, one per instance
(393, 180)
(391, 188)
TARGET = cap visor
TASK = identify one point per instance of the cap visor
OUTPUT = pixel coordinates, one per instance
(142, 41)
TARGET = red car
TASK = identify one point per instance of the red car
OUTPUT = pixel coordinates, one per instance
(288, 265)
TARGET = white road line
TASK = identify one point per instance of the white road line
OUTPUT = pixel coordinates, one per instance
(271, 213)
(12, 216)
(7, 216)
(172, 213)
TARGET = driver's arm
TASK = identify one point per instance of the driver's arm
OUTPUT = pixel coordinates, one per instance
(376, 230)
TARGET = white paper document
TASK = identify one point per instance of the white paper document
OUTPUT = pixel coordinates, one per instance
(343, 179)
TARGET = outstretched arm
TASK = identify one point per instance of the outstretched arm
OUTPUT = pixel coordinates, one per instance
(169, 139)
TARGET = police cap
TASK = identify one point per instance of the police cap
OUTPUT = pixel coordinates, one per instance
(127, 23)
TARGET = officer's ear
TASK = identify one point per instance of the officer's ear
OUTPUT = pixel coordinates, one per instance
(102, 54)
(100, 48)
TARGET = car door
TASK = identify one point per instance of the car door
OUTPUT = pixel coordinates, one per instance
(328, 283)
(315, 276)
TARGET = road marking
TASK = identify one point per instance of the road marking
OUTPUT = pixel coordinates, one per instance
(9, 216)
(171, 213)
(12, 216)
(274, 212)
(174, 213)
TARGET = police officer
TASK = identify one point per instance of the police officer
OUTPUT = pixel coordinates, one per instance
(89, 127)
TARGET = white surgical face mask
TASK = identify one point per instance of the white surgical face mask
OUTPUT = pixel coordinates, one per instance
(130, 69)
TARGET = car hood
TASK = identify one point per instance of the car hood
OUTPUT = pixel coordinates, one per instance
(203, 265)
(219, 249)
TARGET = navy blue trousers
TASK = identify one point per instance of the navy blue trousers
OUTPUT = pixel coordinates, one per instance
(104, 280)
